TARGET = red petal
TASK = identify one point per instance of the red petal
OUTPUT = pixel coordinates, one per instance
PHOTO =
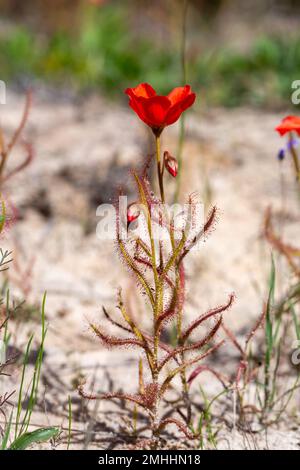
(155, 109)
(288, 124)
(178, 94)
(142, 90)
(159, 111)
(176, 110)
(138, 109)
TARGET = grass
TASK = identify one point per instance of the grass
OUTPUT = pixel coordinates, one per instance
(69, 422)
(206, 423)
(269, 337)
(106, 54)
(16, 434)
(280, 328)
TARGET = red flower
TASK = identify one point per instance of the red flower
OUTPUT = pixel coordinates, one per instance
(289, 124)
(159, 111)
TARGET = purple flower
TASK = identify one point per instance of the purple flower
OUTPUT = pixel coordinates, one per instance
(291, 143)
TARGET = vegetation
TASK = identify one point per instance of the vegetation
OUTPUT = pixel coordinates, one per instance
(15, 432)
(105, 54)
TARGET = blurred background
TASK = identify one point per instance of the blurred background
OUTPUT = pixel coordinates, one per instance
(237, 52)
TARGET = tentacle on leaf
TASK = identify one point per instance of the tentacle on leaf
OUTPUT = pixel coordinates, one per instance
(192, 347)
(162, 218)
(147, 263)
(146, 400)
(187, 364)
(165, 347)
(144, 247)
(169, 313)
(28, 158)
(149, 397)
(146, 194)
(146, 166)
(5, 150)
(22, 124)
(184, 246)
(114, 322)
(286, 249)
(241, 371)
(112, 341)
(110, 396)
(141, 377)
(135, 330)
(233, 339)
(132, 265)
(143, 261)
(205, 316)
(9, 361)
(243, 367)
(181, 287)
(222, 378)
(146, 198)
(169, 281)
(175, 256)
(164, 318)
(130, 262)
(257, 325)
(204, 232)
(181, 426)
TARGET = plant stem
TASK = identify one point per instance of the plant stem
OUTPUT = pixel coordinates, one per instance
(2, 164)
(295, 158)
(185, 387)
(158, 302)
(184, 80)
(159, 169)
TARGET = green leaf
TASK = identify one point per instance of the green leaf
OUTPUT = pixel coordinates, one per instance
(269, 338)
(29, 438)
(2, 216)
(295, 320)
(6, 433)
(269, 324)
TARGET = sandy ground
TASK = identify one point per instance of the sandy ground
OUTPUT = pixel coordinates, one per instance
(83, 151)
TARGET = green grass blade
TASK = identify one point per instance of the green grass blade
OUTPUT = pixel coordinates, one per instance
(6, 433)
(20, 395)
(269, 333)
(70, 421)
(37, 373)
(29, 438)
(295, 320)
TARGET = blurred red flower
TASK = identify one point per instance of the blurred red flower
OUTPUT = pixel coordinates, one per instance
(289, 124)
(159, 111)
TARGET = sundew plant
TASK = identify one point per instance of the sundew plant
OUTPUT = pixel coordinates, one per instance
(156, 259)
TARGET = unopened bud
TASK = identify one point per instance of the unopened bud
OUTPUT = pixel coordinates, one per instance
(171, 164)
(133, 211)
(281, 154)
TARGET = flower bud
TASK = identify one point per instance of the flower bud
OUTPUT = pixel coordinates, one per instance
(171, 164)
(281, 154)
(133, 212)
